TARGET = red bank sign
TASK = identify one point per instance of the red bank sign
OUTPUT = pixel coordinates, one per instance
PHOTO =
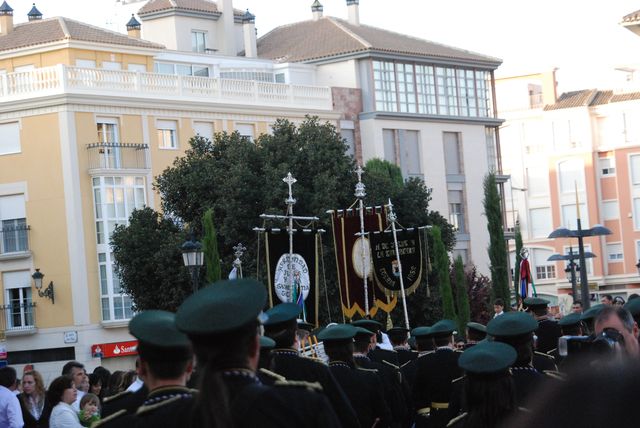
(118, 349)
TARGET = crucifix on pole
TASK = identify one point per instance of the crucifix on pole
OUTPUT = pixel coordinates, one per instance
(360, 194)
(290, 201)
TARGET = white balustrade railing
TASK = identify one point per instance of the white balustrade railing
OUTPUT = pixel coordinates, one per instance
(65, 79)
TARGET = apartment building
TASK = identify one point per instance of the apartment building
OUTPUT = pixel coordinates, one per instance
(88, 118)
(580, 149)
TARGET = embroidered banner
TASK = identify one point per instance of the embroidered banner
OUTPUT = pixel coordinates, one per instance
(385, 261)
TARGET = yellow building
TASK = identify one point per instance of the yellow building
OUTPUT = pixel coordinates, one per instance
(87, 120)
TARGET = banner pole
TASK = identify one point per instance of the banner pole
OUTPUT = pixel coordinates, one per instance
(360, 194)
(392, 218)
(290, 201)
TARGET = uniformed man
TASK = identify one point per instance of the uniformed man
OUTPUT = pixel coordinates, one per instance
(223, 321)
(588, 317)
(397, 391)
(434, 374)
(570, 325)
(424, 346)
(476, 332)
(490, 395)
(633, 306)
(165, 364)
(362, 386)
(548, 330)
(282, 327)
(516, 329)
(399, 336)
(376, 353)
(265, 363)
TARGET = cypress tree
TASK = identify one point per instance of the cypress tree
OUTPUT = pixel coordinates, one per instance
(462, 295)
(497, 245)
(442, 266)
(210, 247)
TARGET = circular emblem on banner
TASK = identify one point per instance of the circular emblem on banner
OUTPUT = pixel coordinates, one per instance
(292, 278)
(356, 257)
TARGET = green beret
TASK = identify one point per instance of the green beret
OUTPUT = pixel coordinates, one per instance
(534, 302)
(569, 320)
(487, 358)
(371, 325)
(592, 312)
(477, 327)
(305, 326)
(340, 332)
(267, 343)
(421, 332)
(362, 334)
(512, 324)
(158, 328)
(633, 306)
(221, 307)
(282, 313)
(443, 328)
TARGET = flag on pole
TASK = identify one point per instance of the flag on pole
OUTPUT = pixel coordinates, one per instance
(525, 279)
(234, 273)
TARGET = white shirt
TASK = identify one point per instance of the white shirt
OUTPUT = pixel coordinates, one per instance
(76, 404)
(498, 314)
(136, 385)
(63, 416)
(10, 413)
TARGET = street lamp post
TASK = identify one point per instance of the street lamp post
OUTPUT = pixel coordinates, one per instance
(580, 233)
(572, 266)
(193, 258)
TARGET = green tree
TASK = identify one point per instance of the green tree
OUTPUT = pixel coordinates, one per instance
(210, 247)
(149, 263)
(516, 267)
(441, 268)
(462, 294)
(497, 245)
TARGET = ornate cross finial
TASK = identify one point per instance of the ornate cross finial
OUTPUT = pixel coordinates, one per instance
(360, 193)
(290, 182)
(239, 250)
(392, 216)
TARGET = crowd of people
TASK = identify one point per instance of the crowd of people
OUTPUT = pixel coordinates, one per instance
(74, 399)
(220, 361)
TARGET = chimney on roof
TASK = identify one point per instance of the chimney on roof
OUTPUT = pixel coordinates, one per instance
(34, 14)
(228, 33)
(354, 12)
(316, 9)
(133, 27)
(249, 31)
(6, 19)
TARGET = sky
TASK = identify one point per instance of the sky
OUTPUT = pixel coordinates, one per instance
(582, 38)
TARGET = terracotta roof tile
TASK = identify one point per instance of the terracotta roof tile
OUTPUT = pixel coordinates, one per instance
(591, 97)
(56, 29)
(190, 5)
(329, 37)
(625, 97)
(632, 17)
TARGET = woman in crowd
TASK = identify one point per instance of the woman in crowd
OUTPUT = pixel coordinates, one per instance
(62, 392)
(115, 383)
(128, 378)
(104, 375)
(95, 385)
(35, 406)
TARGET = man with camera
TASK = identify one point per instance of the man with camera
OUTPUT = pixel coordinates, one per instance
(616, 329)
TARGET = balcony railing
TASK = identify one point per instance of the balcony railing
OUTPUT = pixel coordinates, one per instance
(62, 79)
(18, 318)
(14, 240)
(117, 156)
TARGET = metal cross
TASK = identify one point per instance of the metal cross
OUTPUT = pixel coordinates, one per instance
(359, 172)
(290, 182)
(239, 250)
(360, 192)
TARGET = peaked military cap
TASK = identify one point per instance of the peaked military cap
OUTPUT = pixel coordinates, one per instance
(305, 326)
(535, 302)
(477, 327)
(487, 358)
(421, 331)
(633, 306)
(443, 328)
(512, 324)
(267, 343)
(340, 332)
(362, 334)
(221, 307)
(371, 325)
(282, 313)
(158, 328)
(569, 320)
(592, 312)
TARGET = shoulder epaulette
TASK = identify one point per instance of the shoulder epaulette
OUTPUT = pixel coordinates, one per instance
(111, 417)
(554, 374)
(390, 364)
(456, 419)
(318, 360)
(544, 355)
(311, 386)
(273, 375)
(150, 407)
(407, 363)
(367, 370)
(549, 352)
(117, 396)
(458, 379)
